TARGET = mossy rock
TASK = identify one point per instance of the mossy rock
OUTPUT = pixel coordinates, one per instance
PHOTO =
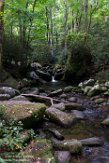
(29, 113)
(39, 150)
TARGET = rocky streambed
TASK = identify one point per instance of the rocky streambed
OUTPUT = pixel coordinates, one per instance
(71, 127)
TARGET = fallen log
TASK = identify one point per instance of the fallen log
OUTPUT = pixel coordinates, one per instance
(38, 98)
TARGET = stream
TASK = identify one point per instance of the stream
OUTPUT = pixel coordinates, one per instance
(90, 127)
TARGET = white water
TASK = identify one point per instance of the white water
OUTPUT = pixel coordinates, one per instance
(53, 80)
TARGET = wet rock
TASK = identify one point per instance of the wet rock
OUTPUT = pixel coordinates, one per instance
(56, 93)
(60, 117)
(100, 100)
(72, 99)
(94, 141)
(56, 134)
(8, 90)
(73, 145)
(60, 106)
(4, 97)
(97, 89)
(35, 78)
(19, 98)
(87, 89)
(78, 114)
(74, 106)
(62, 156)
(105, 122)
(63, 96)
(44, 75)
(89, 82)
(68, 89)
(29, 113)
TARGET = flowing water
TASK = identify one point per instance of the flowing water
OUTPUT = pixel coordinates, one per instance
(90, 127)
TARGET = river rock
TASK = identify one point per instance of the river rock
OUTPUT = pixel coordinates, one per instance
(63, 96)
(19, 98)
(8, 90)
(72, 99)
(94, 141)
(97, 89)
(89, 82)
(44, 75)
(68, 89)
(29, 113)
(56, 93)
(100, 100)
(60, 117)
(62, 156)
(4, 97)
(105, 122)
(78, 114)
(60, 106)
(73, 145)
(56, 133)
(74, 106)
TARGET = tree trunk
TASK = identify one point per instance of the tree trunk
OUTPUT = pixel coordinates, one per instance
(1, 29)
(86, 16)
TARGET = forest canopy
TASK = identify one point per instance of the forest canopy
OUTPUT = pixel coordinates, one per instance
(49, 29)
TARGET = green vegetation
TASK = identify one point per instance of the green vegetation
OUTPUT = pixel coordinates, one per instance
(44, 30)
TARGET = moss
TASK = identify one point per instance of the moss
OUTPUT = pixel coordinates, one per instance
(40, 149)
(28, 113)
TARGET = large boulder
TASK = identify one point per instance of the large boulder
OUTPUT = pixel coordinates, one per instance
(60, 117)
(29, 113)
(44, 75)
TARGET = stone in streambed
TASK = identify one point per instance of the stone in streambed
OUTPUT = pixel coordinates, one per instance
(4, 97)
(19, 98)
(62, 156)
(56, 93)
(60, 106)
(72, 99)
(79, 115)
(74, 106)
(94, 141)
(56, 133)
(105, 122)
(68, 89)
(73, 145)
(60, 117)
(100, 100)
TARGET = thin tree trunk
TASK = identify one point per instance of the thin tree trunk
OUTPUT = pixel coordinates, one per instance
(86, 16)
(1, 29)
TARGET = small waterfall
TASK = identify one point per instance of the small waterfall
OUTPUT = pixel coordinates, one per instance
(53, 80)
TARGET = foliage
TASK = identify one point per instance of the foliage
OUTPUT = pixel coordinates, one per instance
(10, 136)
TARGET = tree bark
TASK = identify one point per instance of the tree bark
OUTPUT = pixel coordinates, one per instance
(1, 29)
